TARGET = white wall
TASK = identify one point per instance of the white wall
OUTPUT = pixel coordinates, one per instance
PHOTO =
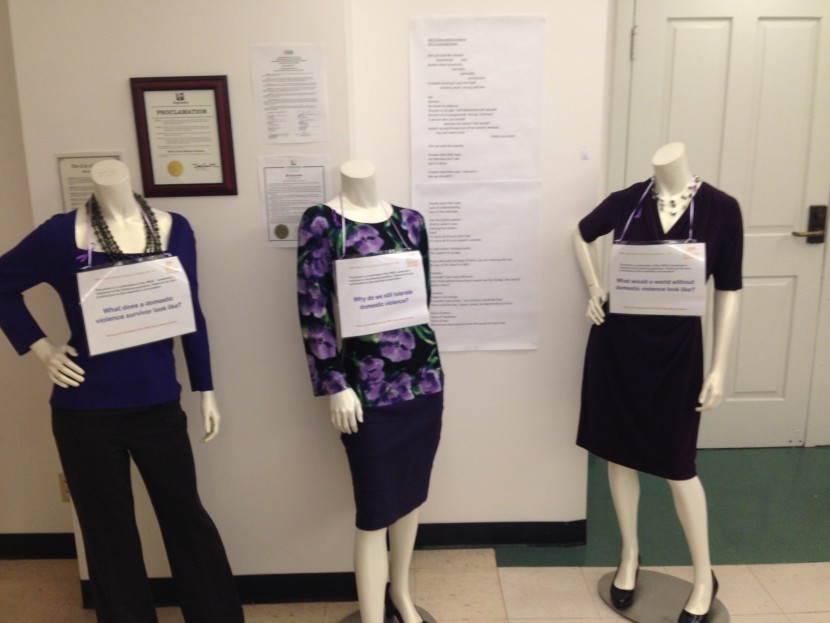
(29, 494)
(276, 480)
(510, 423)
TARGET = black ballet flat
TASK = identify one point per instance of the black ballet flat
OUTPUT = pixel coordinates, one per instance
(688, 617)
(390, 609)
(622, 598)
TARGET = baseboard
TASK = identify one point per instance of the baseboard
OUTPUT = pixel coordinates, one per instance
(37, 546)
(505, 534)
(263, 589)
(304, 587)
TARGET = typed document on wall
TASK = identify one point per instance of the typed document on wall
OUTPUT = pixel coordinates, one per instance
(476, 99)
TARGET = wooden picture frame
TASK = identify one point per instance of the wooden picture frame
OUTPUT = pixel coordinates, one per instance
(185, 143)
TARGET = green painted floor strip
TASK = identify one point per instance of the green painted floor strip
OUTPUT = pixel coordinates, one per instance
(769, 505)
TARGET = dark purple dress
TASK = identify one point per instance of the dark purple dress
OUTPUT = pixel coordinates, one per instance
(643, 374)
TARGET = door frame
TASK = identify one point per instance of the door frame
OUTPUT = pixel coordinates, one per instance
(621, 26)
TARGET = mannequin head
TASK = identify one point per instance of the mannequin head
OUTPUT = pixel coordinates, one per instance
(668, 153)
(109, 173)
(357, 169)
(359, 191)
(113, 191)
(671, 169)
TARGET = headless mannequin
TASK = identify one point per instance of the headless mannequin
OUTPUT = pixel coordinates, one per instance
(672, 177)
(111, 181)
(361, 204)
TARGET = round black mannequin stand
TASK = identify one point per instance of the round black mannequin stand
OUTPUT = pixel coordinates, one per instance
(659, 599)
(426, 616)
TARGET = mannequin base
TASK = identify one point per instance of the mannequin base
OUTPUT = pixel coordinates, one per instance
(659, 599)
(426, 616)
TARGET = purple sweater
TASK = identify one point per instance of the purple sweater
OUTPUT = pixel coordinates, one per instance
(134, 377)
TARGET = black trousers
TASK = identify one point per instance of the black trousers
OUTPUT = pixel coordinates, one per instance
(95, 448)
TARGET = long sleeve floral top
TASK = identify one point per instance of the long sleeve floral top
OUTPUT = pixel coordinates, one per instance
(382, 368)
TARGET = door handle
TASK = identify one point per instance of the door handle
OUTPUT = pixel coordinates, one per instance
(816, 224)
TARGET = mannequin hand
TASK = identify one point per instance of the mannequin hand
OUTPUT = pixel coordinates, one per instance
(711, 394)
(62, 371)
(596, 313)
(210, 416)
(346, 411)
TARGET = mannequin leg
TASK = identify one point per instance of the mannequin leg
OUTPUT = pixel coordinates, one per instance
(690, 504)
(402, 543)
(204, 581)
(97, 468)
(625, 492)
(371, 569)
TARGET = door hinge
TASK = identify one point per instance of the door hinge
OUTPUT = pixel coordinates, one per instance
(631, 45)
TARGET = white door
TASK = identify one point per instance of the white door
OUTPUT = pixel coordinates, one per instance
(746, 86)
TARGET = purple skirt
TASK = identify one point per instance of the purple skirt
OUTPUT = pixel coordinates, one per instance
(391, 458)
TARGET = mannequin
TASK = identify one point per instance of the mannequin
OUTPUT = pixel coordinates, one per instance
(360, 204)
(124, 405)
(111, 181)
(674, 189)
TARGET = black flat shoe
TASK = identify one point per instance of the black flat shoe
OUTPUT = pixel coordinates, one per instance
(624, 597)
(390, 609)
(688, 617)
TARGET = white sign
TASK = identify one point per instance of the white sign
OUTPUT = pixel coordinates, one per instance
(476, 93)
(381, 293)
(289, 185)
(289, 84)
(476, 86)
(184, 136)
(658, 279)
(133, 304)
(484, 264)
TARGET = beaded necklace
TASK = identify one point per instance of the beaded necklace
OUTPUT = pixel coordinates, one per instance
(109, 244)
(673, 204)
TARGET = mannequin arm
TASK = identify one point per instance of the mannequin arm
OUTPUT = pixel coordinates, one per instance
(210, 415)
(585, 257)
(62, 371)
(346, 411)
(725, 319)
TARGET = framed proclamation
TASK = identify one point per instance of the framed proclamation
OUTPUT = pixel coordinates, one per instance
(184, 136)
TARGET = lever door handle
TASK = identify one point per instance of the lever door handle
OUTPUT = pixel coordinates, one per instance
(816, 224)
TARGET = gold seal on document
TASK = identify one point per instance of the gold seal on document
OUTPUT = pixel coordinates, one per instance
(175, 168)
(281, 231)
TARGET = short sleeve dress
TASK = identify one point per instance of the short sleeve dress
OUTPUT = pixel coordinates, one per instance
(643, 374)
(396, 374)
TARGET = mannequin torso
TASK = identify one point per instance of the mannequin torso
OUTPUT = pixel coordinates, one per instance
(101, 382)
(358, 201)
(338, 369)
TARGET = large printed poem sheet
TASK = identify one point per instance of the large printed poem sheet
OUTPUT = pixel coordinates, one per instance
(476, 89)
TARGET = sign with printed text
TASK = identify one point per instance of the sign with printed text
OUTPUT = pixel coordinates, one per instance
(133, 304)
(667, 279)
(381, 293)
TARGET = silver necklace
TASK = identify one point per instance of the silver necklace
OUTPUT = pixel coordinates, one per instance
(673, 204)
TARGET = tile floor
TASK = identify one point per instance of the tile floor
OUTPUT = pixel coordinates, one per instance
(462, 585)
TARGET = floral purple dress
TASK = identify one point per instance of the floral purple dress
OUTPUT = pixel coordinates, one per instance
(396, 374)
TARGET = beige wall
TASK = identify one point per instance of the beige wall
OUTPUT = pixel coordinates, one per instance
(29, 494)
(276, 479)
